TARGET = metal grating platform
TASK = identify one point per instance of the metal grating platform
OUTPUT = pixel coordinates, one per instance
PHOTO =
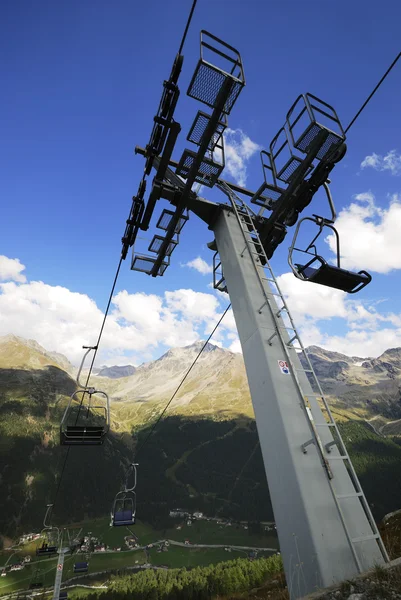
(306, 140)
(156, 243)
(269, 192)
(328, 146)
(303, 126)
(284, 162)
(207, 83)
(198, 129)
(165, 218)
(218, 62)
(209, 170)
(145, 264)
(270, 196)
(289, 170)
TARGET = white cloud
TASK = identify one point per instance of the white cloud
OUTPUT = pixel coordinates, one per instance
(239, 148)
(369, 236)
(137, 326)
(10, 269)
(54, 316)
(368, 332)
(391, 162)
(310, 299)
(194, 305)
(373, 161)
(236, 346)
(199, 265)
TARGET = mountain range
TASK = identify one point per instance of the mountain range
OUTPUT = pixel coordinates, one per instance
(204, 454)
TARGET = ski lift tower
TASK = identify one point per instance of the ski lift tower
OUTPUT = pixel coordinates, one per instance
(326, 531)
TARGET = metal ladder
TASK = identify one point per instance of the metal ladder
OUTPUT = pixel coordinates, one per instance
(253, 246)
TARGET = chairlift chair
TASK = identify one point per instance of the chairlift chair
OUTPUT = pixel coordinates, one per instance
(81, 567)
(51, 535)
(124, 507)
(47, 549)
(317, 269)
(36, 579)
(83, 427)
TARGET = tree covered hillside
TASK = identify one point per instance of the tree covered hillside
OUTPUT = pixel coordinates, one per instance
(201, 457)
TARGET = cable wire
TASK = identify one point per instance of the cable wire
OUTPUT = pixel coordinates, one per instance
(111, 296)
(104, 321)
(89, 374)
(187, 27)
(182, 381)
(373, 92)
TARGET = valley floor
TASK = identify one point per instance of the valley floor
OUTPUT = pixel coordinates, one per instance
(208, 541)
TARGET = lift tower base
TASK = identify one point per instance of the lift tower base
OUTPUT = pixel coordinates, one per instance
(325, 528)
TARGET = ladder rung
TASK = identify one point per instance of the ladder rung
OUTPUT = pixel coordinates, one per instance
(343, 457)
(305, 370)
(353, 495)
(325, 424)
(363, 538)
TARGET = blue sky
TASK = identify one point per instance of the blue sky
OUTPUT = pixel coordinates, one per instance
(81, 82)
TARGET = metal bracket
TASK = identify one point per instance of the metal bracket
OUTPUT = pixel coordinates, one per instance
(306, 444)
(329, 445)
(269, 341)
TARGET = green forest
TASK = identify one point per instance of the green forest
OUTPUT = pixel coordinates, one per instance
(214, 466)
(199, 583)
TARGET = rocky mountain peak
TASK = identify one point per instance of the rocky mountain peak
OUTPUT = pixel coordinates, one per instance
(324, 354)
(18, 352)
(392, 355)
(116, 371)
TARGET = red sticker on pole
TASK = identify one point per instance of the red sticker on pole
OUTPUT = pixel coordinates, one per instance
(283, 367)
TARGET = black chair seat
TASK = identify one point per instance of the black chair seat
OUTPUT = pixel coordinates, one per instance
(48, 550)
(80, 435)
(80, 567)
(123, 517)
(335, 277)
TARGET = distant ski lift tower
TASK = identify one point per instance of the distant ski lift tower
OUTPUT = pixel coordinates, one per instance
(326, 531)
